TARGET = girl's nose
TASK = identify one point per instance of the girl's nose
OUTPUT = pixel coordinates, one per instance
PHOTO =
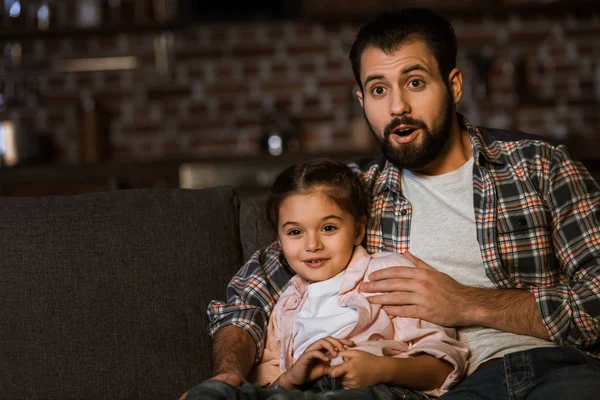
(313, 243)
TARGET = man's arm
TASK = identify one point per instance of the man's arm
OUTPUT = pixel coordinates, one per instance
(233, 352)
(237, 326)
(570, 308)
(509, 310)
(251, 295)
(428, 294)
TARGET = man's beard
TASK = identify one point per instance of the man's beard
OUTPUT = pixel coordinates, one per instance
(411, 155)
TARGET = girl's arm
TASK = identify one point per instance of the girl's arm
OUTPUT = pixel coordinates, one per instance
(436, 342)
(421, 372)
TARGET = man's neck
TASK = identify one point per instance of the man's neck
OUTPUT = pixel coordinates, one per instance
(455, 153)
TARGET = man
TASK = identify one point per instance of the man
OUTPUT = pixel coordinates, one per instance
(504, 227)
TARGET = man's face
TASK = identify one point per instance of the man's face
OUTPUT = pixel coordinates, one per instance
(406, 103)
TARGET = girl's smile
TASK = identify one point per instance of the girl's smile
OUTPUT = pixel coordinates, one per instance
(317, 237)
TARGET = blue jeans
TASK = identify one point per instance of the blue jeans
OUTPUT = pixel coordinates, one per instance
(543, 373)
(324, 388)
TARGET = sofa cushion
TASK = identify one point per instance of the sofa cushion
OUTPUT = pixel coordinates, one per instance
(104, 295)
(255, 232)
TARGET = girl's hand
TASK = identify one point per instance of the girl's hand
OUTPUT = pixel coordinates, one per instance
(314, 362)
(359, 369)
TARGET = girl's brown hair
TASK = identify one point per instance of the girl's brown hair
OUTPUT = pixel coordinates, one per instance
(334, 179)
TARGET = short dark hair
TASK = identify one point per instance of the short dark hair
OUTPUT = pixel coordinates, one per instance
(334, 179)
(391, 29)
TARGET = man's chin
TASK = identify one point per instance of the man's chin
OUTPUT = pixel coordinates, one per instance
(407, 159)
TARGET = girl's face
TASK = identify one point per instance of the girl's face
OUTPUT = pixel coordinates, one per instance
(317, 236)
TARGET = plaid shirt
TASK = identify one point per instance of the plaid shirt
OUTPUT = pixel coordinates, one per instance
(537, 213)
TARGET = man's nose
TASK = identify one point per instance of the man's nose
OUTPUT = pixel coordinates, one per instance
(398, 104)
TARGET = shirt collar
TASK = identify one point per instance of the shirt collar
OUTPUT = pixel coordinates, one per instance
(481, 151)
(353, 273)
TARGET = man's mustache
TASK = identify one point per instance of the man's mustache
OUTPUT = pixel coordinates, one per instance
(396, 122)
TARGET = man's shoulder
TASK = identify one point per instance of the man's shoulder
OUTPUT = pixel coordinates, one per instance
(492, 136)
(512, 146)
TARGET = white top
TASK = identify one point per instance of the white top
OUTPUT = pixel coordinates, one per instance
(321, 316)
(444, 235)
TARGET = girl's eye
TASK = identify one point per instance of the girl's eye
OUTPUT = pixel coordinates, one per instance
(329, 228)
(416, 83)
(378, 91)
(294, 232)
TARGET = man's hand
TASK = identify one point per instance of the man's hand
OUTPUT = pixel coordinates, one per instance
(314, 362)
(433, 296)
(422, 292)
(359, 369)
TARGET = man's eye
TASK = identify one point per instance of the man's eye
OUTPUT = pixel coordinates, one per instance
(416, 83)
(329, 228)
(378, 91)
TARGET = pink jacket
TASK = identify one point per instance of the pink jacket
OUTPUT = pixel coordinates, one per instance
(375, 331)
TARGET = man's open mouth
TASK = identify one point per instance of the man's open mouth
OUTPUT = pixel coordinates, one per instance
(404, 131)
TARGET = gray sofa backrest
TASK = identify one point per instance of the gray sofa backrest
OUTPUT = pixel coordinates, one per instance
(104, 295)
(255, 232)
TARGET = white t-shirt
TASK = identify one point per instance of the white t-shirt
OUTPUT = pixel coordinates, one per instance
(444, 235)
(321, 316)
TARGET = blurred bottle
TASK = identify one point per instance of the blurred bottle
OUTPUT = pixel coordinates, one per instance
(89, 13)
(94, 140)
(164, 10)
(15, 14)
(43, 15)
(20, 145)
(281, 133)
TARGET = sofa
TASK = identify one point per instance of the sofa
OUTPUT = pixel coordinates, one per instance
(104, 295)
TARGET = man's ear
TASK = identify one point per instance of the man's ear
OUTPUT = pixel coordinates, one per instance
(361, 228)
(455, 84)
(359, 96)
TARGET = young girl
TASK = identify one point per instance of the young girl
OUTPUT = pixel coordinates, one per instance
(323, 333)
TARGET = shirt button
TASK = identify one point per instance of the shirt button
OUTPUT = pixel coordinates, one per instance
(403, 212)
(522, 222)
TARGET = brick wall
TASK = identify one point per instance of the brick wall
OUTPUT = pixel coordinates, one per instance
(544, 77)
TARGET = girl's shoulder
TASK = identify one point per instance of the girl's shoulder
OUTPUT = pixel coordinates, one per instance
(386, 259)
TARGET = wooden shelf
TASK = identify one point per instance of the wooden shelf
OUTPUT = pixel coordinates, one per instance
(42, 180)
(57, 179)
(470, 10)
(104, 30)
(305, 11)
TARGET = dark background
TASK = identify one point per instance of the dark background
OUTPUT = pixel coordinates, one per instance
(209, 74)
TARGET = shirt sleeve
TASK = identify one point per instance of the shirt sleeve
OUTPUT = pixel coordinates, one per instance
(251, 295)
(424, 337)
(571, 310)
(268, 370)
